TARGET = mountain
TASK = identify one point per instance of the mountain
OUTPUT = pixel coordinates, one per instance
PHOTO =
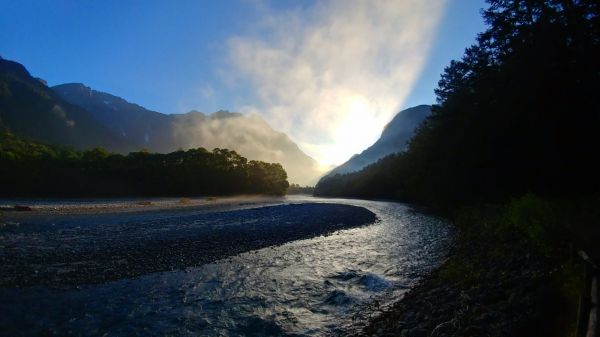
(29, 108)
(249, 135)
(137, 125)
(394, 138)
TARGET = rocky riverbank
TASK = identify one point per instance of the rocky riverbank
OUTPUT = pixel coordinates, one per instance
(26, 209)
(491, 285)
(86, 249)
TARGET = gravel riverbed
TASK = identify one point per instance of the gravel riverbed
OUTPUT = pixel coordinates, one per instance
(292, 266)
(80, 250)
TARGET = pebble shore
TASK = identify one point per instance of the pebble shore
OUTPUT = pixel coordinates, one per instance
(84, 249)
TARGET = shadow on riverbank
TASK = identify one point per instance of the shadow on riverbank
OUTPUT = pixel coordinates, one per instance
(513, 271)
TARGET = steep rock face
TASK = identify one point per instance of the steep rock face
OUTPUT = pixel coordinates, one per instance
(249, 135)
(28, 107)
(393, 139)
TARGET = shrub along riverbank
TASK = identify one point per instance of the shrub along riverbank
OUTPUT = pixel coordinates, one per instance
(32, 169)
(513, 271)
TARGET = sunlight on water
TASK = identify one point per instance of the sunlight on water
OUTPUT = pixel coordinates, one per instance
(307, 287)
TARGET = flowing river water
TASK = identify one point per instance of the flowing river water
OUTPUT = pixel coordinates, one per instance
(326, 285)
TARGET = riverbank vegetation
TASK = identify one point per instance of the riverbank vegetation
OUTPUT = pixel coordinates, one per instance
(510, 154)
(32, 169)
(297, 189)
(504, 277)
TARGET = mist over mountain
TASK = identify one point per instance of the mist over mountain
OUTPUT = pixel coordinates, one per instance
(31, 109)
(393, 139)
(249, 135)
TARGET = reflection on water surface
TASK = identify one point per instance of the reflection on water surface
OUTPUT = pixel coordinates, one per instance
(308, 287)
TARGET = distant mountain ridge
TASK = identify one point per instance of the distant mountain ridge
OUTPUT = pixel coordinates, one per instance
(80, 117)
(393, 139)
(250, 136)
(31, 109)
(134, 123)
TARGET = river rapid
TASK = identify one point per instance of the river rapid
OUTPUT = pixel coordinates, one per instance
(328, 285)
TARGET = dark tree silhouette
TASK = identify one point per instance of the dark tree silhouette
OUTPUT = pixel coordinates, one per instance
(29, 168)
(519, 113)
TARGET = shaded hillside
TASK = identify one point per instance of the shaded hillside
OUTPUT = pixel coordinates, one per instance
(251, 136)
(29, 108)
(393, 139)
(136, 124)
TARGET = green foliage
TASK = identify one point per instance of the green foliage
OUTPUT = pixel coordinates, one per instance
(297, 189)
(16, 148)
(532, 215)
(460, 270)
(29, 168)
(383, 179)
(95, 154)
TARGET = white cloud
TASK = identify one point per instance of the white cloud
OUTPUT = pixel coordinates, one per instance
(332, 75)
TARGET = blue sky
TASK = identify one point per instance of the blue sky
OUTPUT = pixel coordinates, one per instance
(458, 30)
(177, 56)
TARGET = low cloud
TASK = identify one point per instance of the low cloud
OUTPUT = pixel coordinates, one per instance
(60, 112)
(332, 75)
(250, 136)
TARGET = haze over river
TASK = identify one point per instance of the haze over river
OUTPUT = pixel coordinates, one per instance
(321, 286)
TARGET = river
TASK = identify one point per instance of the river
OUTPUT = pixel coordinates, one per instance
(326, 285)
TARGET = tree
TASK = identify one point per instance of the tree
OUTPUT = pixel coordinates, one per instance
(519, 113)
(28, 168)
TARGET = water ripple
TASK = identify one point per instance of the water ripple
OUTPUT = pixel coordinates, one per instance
(302, 288)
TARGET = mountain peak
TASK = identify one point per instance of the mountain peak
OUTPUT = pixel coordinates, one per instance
(14, 68)
(73, 89)
(393, 139)
(74, 85)
(40, 113)
(225, 114)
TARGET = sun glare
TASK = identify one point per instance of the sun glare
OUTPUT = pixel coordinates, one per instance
(358, 128)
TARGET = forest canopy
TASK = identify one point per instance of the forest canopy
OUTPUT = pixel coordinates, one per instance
(518, 114)
(29, 168)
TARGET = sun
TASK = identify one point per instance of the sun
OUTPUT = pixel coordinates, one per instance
(357, 128)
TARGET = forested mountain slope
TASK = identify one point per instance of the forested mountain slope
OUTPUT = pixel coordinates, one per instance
(249, 135)
(29, 108)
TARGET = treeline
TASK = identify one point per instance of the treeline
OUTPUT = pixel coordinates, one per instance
(32, 169)
(379, 180)
(297, 189)
(518, 114)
